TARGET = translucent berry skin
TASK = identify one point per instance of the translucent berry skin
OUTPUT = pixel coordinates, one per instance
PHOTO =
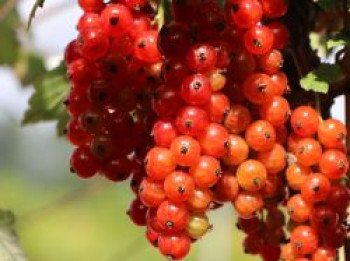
(271, 62)
(334, 164)
(299, 210)
(238, 151)
(251, 175)
(247, 204)
(151, 193)
(159, 163)
(117, 20)
(166, 102)
(287, 252)
(280, 34)
(274, 160)
(304, 240)
(214, 140)
(152, 236)
(93, 43)
(324, 253)
(258, 40)
(332, 133)
(339, 198)
(292, 142)
(335, 238)
(227, 188)
(308, 152)
(71, 52)
(75, 134)
(206, 172)
(196, 89)
(137, 212)
(178, 186)
(186, 151)
(172, 217)
(164, 132)
(252, 244)
(198, 226)
(276, 111)
(281, 83)
(305, 121)
(174, 247)
(89, 20)
(192, 120)
(246, 13)
(316, 188)
(201, 58)
(237, 119)
(274, 8)
(83, 162)
(258, 88)
(296, 175)
(200, 200)
(91, 5)
(261, 136)
(145, 47)
(217, 107)
(323, 219)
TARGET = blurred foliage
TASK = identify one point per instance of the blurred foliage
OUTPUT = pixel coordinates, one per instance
(340, 39)
(328, 5)
(46, 104)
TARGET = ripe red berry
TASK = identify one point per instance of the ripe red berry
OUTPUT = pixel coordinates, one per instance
(315, 188)
(83, 162)
(276, 111)
(91, 5)
(339, 198)
(296, 175)
(324, 253)
(274, 8)
(333, 164)
(178, 186)
(227, 187)
(332, 134)
(246, 13)
(206, 172)
(137, 212)
(248, 203)
(305, 121)
(185, 150)
(237, 119)
(271, 62)
(191, 120)
(251, 175)
(299, 210)
(214, 140)
(259, 40)
(218, 107)
(304, 240)
(89, 20)
(174, 247)
(196, 89)
(323, 218)
(237, 152)
(117, 20)
(159, 163)
(280, 34)
(75, 134)
(201, 58)
(308, 152)
(172, 217)
(261, 136)
(164, 132)
(200, 200)
(93, 43)
(274, 160)
(258, 88)
(335, 238)
(145, 48)
(151, 193)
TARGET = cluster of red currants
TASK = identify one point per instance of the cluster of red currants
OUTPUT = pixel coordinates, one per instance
(112, 66)
(209, 89)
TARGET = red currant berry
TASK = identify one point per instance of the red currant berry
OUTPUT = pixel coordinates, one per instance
(178, 186)
(172, 216)
(259, 39)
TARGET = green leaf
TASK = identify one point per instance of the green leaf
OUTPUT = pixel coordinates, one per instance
(38, 3)
(29, 68)
(340, 39)
(319, 79)
(46, 104)
(9, 44)
(327, 4)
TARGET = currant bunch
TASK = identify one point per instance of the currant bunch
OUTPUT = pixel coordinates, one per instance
(195, 114)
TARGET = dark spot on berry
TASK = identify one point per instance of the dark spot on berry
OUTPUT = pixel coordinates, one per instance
(181, 190)
(169, 224)
(113, 21)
